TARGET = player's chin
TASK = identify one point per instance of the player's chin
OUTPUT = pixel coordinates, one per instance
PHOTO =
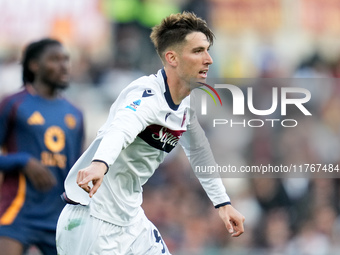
(62, 81)
(201, 80)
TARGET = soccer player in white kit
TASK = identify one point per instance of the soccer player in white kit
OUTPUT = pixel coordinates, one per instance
(148, 119)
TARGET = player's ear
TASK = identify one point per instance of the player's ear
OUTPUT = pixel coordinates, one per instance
(171, 58)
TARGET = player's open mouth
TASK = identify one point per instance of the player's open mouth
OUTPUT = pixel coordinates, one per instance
(203, 73)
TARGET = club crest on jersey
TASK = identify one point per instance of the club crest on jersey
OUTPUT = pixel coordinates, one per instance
(133, 106)
(70, 121)
(147, 93)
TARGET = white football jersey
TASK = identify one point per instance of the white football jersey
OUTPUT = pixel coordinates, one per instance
(143, 126)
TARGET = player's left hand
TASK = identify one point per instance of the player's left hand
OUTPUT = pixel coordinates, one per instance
(95, 173)
(232, 219)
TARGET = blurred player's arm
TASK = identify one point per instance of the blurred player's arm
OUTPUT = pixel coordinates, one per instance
(38, 174)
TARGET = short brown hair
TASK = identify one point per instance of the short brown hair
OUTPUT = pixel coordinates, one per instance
(174, 28)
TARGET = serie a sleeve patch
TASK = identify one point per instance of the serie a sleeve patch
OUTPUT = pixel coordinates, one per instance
(134, 105)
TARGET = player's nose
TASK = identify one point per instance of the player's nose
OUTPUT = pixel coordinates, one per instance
(208, 59)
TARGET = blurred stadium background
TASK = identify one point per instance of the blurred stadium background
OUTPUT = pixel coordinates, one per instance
(109, 45)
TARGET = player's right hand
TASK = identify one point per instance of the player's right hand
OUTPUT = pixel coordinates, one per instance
(95, 173)
(40, 176)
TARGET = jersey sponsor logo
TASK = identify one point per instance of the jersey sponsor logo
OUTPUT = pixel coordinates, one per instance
(160, 137)
(54, 140)
(133, 106)
(70, 121)
(147, 93)
(36, 119)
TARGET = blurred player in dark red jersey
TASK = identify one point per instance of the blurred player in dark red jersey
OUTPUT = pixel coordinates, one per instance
(41, 136)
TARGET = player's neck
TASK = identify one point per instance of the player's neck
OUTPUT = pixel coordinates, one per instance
(42, 90)
(178, 88)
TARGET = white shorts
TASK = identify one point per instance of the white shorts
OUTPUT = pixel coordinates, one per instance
(79, 233)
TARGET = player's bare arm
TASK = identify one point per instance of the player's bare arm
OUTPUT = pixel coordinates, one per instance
(95, 173)
(232, 219)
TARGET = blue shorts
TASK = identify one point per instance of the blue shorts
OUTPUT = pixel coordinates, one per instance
(44, 240)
